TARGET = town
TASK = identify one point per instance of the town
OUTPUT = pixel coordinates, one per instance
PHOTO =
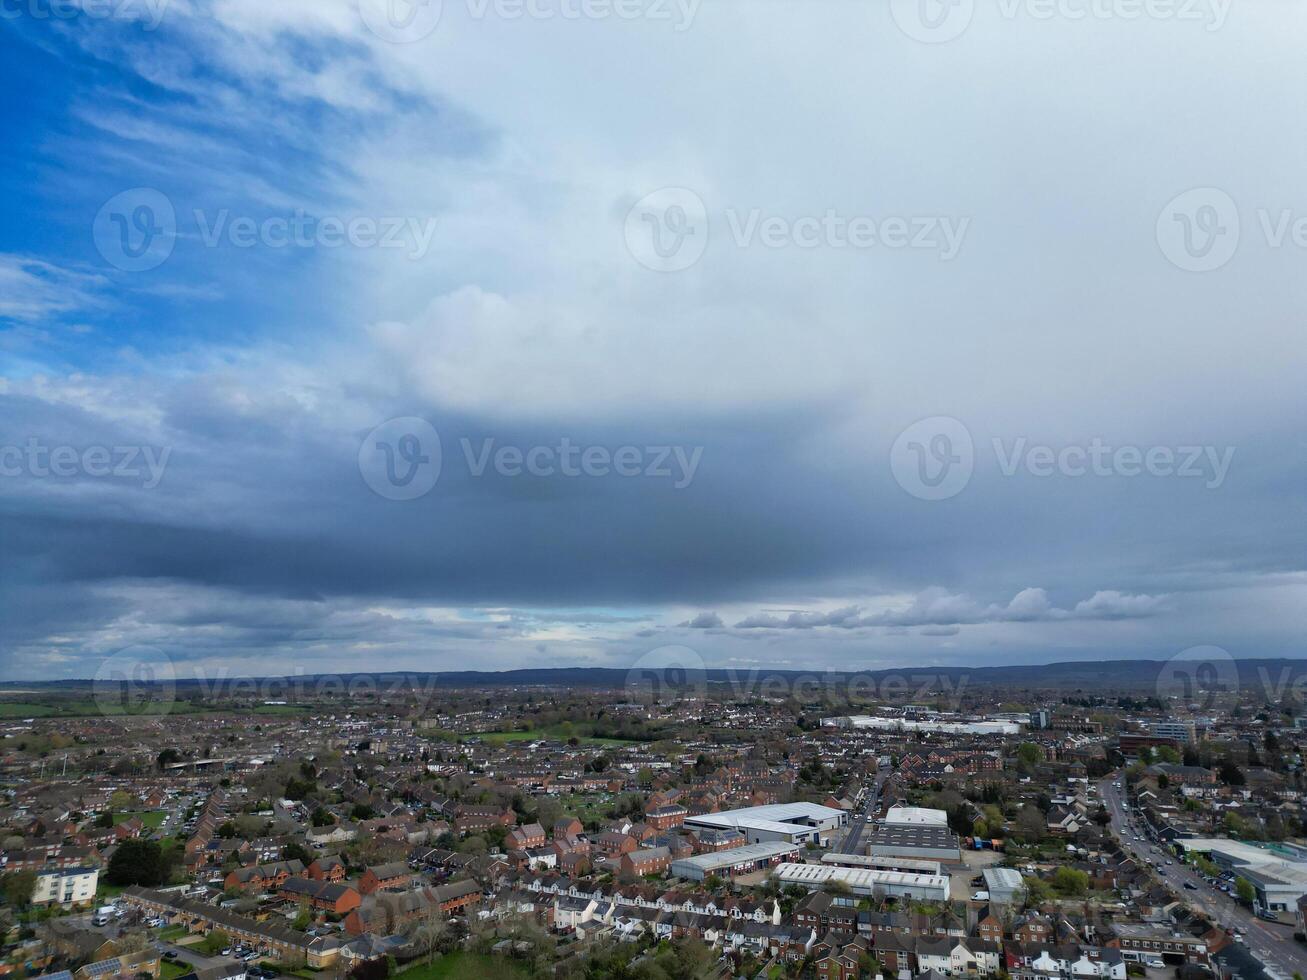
(534, 831)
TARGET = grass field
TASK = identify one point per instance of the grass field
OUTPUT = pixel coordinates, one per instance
(170, 971)
(25, 709)
(465, 966)
(61, 708)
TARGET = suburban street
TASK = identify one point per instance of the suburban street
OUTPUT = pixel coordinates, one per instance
(1271, 943)
(858, 822)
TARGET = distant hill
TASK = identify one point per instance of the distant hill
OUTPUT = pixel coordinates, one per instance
(1276, 676)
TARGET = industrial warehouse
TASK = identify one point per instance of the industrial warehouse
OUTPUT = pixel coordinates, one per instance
(915, 841)
(739, 860)
(871, 882)
(793, 823)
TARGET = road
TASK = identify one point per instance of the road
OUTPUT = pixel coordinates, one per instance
(1271, 943)
(858, 824)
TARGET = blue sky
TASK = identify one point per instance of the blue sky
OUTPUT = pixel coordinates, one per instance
(887, 346)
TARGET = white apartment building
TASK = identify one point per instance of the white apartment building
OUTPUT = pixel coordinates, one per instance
(66, 887)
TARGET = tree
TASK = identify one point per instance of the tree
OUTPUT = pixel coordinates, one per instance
(17, 888)
(138, 862)
(1028, 755)
(1231, 774)
(1070, 881)
(1245, 890)
(1030, 826)
(216, 942)
(428, 932)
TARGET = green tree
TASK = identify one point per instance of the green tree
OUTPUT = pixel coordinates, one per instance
(1245, 890)
(1070, 881)
(138, 862)
(17, 888)
(216, 942)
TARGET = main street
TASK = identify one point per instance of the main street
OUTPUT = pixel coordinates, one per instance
(1271, 943)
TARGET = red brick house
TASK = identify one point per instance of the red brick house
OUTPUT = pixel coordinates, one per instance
(326, 896)
(469, 819)
(837, 957)
(647, 861)
(263, 877)
(527, 836)
(329, 867)
(385, 877)
(666, 817)
(614, 843)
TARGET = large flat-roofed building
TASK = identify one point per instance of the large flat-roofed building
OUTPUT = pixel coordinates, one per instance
(737, 860)
(866, 881)
(1279, 878)
(882, 863)
(963, 727)
(915, 841)
(1184, 732)
(1005, 885)
(915, 816)
(793, 823)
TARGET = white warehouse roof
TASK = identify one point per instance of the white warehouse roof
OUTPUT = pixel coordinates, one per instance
(918, 816)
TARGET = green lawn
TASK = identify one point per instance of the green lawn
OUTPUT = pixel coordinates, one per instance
(465, 966)
(168, 970)
(173, 933)
(70, 708)
(23, 709)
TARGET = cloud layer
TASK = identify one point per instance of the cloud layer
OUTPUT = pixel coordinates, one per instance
(527, 319)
